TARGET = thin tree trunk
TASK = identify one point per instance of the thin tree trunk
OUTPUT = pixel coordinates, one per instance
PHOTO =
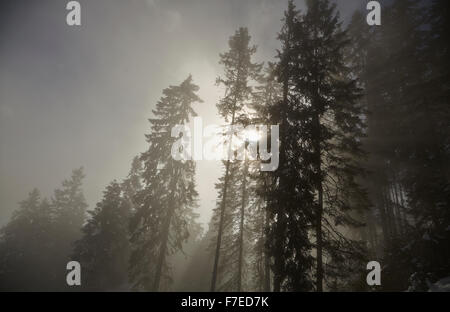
(222, 206)
(266, 255)
(405, 212)
(219, 234)
(395, 211)
(390, 214)
(319, 286)
(163, 249)
(241, 227)
(384, 223)
(279, 225)
(317, 149)
(400, 203)
(319, 186)
(397, 205)
(371, 231)
(319, 241)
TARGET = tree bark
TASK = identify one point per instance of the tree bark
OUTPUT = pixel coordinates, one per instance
(319, 186)
(222, 206)
(241, 227)
(163, 248)
(266, 256)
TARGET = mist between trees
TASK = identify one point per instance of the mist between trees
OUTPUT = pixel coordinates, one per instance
(234, 143)
(363, 173)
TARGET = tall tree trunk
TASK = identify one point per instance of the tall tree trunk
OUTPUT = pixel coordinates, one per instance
(219, 234)
(279, 225)
(393, 200)
(319, 242)
(222, 206)
(163, 248)
(315, 101)
(390, 213)
(400, 206)
(241, 227)
(384, 223)
(405, 212)
(266, 255)
(372, 231)
(277, 283)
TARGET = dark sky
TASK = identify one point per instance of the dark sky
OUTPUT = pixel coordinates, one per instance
(81, 96)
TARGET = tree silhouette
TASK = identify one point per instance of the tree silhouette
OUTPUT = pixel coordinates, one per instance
(164, 205)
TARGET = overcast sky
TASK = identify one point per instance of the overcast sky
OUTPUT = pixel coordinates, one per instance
(81, 96)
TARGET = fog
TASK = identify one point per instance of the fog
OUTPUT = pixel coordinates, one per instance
(81, 96)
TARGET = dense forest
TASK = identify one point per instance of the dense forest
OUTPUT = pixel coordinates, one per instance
(363, 174)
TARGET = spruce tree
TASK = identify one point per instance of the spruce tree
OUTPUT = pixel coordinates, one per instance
(229, 264)
(68, 213)
(334, 122)
(403, 93)
(358, 58)
(239, 72)
(266, 97)
(103, 251)
(289, 193)
(26, 247)
(428, 178)
(417, 174)
(133, 182)
(164, 206)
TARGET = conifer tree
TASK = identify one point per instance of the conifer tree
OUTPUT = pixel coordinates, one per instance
(229, 264)
(68, 214)
(428, 184)
(133, 182)
(358, 58)
(258, 272)
(265, 98)
(103, 251)
(164, 206)
(25, 247)
(289, 193)
(413, 149)
(69, 204)
(239, 72)
(427, 177)
(334, 123)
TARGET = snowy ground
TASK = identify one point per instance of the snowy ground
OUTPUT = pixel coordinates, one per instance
(442, 285)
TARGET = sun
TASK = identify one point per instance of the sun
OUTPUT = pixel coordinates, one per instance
(252, 135)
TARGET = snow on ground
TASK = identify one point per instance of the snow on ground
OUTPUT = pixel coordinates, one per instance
(442, 285)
